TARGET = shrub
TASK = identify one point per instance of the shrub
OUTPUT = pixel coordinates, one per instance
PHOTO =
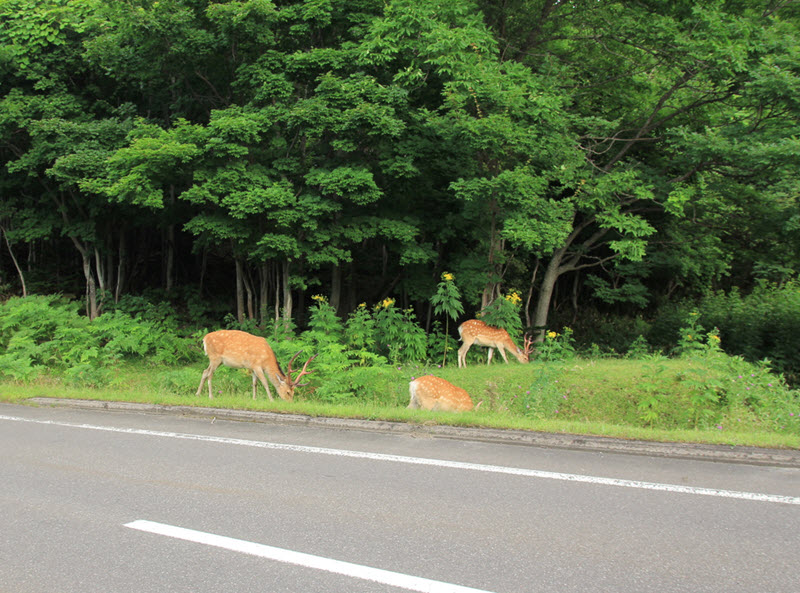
(762, 325)
(46, 333)
(397, 333)
(503, 312)
(556, 346)
(606, 333)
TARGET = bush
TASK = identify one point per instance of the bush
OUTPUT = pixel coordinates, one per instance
(47, 333)
(604, 333)
(397, 333)
(762, 325)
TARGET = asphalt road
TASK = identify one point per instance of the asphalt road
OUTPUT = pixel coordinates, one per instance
(97, 501)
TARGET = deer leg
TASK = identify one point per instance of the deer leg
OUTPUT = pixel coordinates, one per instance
(462, 354)
(414, 402)
(503, 354)
(489, 356)
(207, 374)
(257, 372)
(202, 380)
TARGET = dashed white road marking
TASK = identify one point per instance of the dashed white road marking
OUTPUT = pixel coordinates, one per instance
(497, 469)
(368, 573)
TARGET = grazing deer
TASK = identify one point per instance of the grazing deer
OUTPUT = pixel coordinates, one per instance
(433, 393)
(477, 332)
(240, 350)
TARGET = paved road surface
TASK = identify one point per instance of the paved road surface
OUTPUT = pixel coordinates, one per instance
(96, 501)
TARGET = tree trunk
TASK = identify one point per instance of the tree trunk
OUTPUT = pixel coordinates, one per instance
(336, 287)
(203, 268)
(169, 257)
(92, 310)
(169, 246)
(250, 291)
(494, 280)
(287, 295)
(551, 274)
(122, 266)
(277, 295)
(16, 264)
(531, 288)
(263, 293)
(239, 291)
(100, 271)
(575, 287)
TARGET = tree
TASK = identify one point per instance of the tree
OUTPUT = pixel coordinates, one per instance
(662, 95)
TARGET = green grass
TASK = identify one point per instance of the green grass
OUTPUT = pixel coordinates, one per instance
(658, 399)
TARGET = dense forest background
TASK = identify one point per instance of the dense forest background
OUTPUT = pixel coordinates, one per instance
(608, 162)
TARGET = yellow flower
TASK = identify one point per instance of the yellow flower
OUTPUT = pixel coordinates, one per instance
(552, 335)
(362, 306)
(448, 277)
(319, 298)
(715, 338)
(514, 298)
(385, 304)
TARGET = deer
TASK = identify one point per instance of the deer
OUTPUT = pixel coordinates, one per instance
(478, 332)
(434, 393)
(240, 350)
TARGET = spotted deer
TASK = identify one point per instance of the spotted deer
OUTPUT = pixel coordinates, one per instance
(479, 333)
(433, 393)
(240, 350)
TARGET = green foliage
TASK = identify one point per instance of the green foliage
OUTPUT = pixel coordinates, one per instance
(440, 340)
(325, 327)
(503, 312)
(655, 398)
(447, 300)
(646, 151)
(339, 376)
(762, 325)
(639, 348)
(556, 346)
(544, 396)
(398, 335)
(47, 335)
(360, 334)
(691, 339)
(611, 332)
(44, 338)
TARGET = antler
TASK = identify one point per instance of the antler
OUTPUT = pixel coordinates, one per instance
(303, 371)
(527, 345)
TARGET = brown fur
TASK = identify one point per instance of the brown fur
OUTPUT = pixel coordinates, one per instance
(240, 350)
(479, 333)
(434, 393)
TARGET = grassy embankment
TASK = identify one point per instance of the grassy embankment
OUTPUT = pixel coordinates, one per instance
(680, 400)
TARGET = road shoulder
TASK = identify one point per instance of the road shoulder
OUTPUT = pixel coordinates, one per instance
(722, 453)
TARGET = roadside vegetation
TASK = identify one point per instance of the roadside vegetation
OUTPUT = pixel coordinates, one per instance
(616, 181)
(698, 393)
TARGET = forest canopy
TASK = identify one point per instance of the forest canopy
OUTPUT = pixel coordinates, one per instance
(251, 154)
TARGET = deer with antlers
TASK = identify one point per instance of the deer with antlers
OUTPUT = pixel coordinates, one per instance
(434, 393)
(240, 350)
(479, 333)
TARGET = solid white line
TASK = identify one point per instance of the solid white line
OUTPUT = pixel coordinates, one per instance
(386, 577)
(497, 469)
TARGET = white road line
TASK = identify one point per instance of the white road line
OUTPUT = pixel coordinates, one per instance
(497, 469)
(386, 577)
